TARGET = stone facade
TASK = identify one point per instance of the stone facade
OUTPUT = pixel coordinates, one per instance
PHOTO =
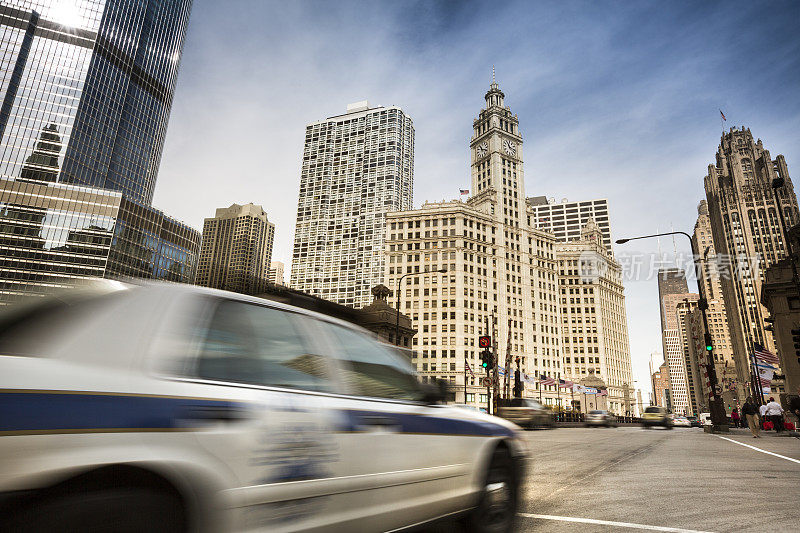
(746, 231)
(594, 326)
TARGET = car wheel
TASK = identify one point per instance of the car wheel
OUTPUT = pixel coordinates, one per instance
(646, 426)
(497, 507)
(668, 426)
(113, 510)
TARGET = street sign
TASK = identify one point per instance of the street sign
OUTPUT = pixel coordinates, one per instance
(484, 341)
(486, 381)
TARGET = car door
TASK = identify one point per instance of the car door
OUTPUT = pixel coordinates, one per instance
(272, 427)
(419, 458)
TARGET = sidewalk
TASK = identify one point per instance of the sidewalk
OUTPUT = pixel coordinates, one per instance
(765, 434)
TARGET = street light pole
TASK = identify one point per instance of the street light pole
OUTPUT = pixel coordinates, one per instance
(399, 285)
(718, 417)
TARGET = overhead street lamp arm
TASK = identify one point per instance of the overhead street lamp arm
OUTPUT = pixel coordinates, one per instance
(718, 416)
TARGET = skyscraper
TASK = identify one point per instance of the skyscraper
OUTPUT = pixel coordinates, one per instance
(670, 281)
(500, 271)
(237, 249)
(746, 228)
(566, 219)
(594, 325)
(356, 168)
(87, 89)
(275, 273)
(719, 329)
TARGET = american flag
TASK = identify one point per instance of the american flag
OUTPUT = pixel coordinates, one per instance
(765, 355)
(544, 380)
(469, 368)
(565, 384)
(464, 191)
(603, 393)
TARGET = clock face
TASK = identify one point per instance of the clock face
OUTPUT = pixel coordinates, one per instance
(482, 149)
(510, 147)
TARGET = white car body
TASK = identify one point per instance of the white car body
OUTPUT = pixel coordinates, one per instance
(243, 456)
(681, 421)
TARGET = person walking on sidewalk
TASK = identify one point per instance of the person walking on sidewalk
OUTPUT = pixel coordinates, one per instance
(775, 413)
(735, 417)
(750, 412)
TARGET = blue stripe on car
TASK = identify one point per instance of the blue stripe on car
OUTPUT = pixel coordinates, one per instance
(45, 411)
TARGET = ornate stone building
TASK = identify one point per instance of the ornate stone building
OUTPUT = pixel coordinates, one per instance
(746, 228)
(499, 269)
(594, 326)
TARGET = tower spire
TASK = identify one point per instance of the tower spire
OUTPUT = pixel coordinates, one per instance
(493, 80)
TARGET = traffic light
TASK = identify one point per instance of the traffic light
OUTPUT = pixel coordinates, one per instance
(709, 344)
(796, 341)
(486, 359)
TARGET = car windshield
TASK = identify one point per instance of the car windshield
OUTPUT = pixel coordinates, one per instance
(653, 410)
(597, 412)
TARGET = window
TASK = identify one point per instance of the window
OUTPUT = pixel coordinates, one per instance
(371, 368)
(247, 343)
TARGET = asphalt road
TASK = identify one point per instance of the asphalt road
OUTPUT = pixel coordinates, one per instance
(659, 480)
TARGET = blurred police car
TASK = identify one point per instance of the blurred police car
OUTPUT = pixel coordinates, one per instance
(173, 408)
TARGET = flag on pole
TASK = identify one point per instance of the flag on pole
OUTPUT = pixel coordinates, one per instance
(544, 380)
(464, 191)
(565, 384)
(723, 115)
(765, 355)
(603, 392)
(469, 368)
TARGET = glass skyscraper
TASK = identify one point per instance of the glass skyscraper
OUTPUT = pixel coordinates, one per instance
(86, 89)
(99, 75)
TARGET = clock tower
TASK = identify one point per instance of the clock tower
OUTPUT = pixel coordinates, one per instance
(496, 155)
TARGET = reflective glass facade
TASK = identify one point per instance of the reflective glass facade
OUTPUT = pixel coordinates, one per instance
(51, 234)
(94, 80)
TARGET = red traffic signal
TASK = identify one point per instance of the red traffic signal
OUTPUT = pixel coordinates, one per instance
(484, 341)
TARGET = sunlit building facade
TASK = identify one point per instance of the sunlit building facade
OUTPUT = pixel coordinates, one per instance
(566, 219)
(501, 274)
(237, 249)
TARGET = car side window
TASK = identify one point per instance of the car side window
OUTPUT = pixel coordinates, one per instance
(371, 369)
(247, 343)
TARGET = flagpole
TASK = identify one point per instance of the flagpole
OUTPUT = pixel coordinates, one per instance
(465, 377)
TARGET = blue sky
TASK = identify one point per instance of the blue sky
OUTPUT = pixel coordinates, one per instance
(616, 100)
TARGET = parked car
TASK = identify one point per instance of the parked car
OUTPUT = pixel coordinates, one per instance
(656, 416)
(525, 412)
(176, 408)
(681, 421)
(600, 418)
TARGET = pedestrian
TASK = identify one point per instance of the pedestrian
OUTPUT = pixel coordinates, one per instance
(762, 414)
(794, 408)
(775, 413)
(735, 417)
(749, 411)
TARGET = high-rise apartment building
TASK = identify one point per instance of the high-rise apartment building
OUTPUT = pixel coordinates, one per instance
(237, 249)
(719, 329)
(566, 219)
(86, 90)
(675, 307)
(670, 281)
(96, 78)
(660, 380)
(275, 273)
(594, 326)
(499, 269)
(746, 228)
(356, 167)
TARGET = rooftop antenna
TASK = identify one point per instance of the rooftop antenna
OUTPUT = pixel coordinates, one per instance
(674, 246)
(492, 73)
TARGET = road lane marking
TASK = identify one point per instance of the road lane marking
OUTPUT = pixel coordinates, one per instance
(759, 449)
(609, 523)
